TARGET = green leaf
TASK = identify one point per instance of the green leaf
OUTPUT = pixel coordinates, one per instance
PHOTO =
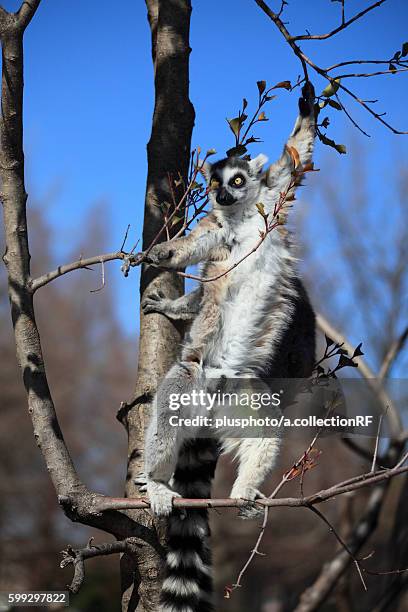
(261, 209)
(392, 68)
(326, 122)
(340, 148)
(331, 88)
(244, 104)
(235, 125)
(210, 152)
(334, 104)
(261, 86)
(176, 220)
(323, 103)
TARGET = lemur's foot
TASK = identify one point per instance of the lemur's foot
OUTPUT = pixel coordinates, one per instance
(161, 498)
(155, 302)
(306, 102)
(251, 510)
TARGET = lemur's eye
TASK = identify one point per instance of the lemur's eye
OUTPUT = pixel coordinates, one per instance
(237, 181)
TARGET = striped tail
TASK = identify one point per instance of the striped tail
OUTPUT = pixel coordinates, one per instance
(187, 584)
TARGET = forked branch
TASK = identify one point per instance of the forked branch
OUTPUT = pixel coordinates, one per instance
(324, 72)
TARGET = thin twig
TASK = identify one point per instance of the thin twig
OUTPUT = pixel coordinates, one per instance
(43, 280)
(125, 238)
(341, 542)
(343, 26)
(103, 279)
(370, 74)
(361, 61)
(376, 443)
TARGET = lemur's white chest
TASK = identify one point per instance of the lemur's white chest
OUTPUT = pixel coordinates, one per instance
(250, 287)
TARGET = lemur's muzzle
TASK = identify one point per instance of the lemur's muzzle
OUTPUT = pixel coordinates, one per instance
(224, 198)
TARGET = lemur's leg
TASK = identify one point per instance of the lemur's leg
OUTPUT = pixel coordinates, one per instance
(302, 139)
(184, 308)
(257, 457)
(304, 131)
(163, 440)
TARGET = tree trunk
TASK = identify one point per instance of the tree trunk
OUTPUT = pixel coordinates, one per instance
(168, 153)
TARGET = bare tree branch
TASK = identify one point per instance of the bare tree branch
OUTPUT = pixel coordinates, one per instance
(80, 264)
(77, 558)
(360, 61)
(343, 26)
(306, 61)
(331, 572)
(370, 74)
(27, 11)
(353, 484)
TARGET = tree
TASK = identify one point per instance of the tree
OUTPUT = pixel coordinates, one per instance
(139, 538)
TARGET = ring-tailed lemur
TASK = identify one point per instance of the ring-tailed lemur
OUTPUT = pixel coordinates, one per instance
(256, 320)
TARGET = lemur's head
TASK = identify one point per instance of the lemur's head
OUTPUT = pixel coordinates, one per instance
(234, 181)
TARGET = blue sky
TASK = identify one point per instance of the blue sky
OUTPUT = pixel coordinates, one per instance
(89, 99)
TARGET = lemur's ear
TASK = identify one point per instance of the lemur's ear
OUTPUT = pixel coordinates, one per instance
(257, 163)
(205, 169)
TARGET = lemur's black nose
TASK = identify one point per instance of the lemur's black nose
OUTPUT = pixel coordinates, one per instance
(224, 198)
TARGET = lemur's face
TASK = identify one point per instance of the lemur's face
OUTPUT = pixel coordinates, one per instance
(234, 181)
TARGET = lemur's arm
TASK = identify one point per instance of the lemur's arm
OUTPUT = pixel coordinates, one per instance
(184, 308)
(190, 249)
(301, 138)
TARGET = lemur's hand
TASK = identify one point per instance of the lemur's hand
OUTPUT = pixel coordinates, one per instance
(307, 101)
(160, 253)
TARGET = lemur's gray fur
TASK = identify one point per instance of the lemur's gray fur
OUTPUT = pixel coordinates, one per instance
(254, 321)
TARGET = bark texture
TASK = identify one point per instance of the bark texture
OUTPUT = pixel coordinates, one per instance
(168, 153)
